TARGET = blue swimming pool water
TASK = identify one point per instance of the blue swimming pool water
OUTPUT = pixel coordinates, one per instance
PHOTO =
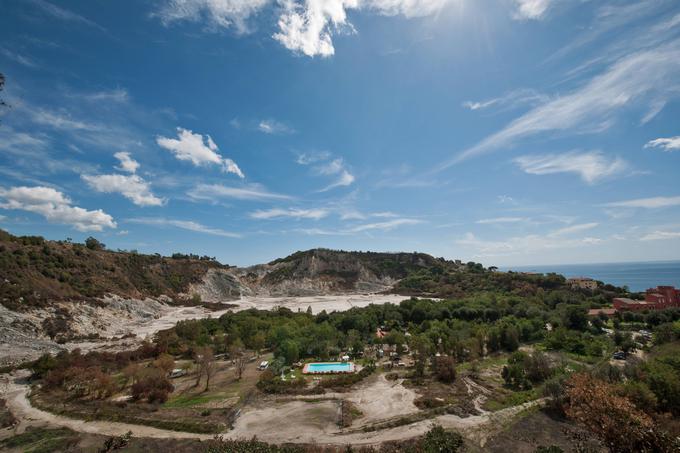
(329, 367)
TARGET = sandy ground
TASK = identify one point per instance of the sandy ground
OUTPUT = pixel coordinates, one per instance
(377, 399)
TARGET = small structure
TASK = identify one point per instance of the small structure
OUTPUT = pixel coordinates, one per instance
(601, 311)
(658, 298)
(177, 372)
(582, 283)
(329, 368)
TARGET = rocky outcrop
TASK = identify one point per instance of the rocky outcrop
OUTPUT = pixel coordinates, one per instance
(322, 272)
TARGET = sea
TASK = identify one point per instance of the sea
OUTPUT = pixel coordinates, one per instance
(637, 276)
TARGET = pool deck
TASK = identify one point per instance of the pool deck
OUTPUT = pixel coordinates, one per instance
(306, 370)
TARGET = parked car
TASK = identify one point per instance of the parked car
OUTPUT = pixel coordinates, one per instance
(619, 355)
(263, 365)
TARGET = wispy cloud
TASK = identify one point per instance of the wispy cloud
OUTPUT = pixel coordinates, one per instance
(323, 165)
(184, 225)
(531, 9)
(217, 14)
(496, 220)
(274, 213)
(211, 192)
(647, 203)
(512, 99)
(574, 229)
(55, 207)
(667, 144)
(274, 127)
(337, 168)
(361, 228)
(118, 95)
(65, 15)
(591, 166)
(661, 236)
(521, 245)
(198, 150)
(19, 58)
(638, 78)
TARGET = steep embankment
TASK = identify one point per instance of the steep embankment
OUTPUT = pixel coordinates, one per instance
(322, 271)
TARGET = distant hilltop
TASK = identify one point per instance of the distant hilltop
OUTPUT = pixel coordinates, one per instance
(38, 272)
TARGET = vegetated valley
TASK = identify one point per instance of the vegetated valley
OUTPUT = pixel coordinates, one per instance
(166, 353)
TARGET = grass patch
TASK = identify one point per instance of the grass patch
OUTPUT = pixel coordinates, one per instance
(510, 399)
(41, 440)
(192, 400)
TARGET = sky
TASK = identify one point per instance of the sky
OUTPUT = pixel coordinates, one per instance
(506, 132)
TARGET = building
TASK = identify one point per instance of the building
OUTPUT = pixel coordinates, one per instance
(598, 311)
(582, 283)
(658, 298)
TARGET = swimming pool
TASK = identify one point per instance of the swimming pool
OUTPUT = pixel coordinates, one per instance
(328, 368)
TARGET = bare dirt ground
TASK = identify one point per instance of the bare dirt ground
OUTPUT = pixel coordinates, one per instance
(21, 338)
(300, 421)
(376, 398)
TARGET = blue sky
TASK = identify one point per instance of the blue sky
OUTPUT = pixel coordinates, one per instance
(509, 132)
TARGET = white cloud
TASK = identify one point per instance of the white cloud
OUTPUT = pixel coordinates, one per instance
(668, 144)
(531, 9)
(295, 213)
(384, 226)
(118, 95)
(210, 192)
(647, 203)
(198, 150)
(274, 127)
(127, 163)
(521, 245)
(308, 27)
(64, 14)
(591, 166)
(574, 229)
(512, 99)
(661, 236)
(501, 220)
(21, 59)
(335, 167)
(185, 225)
(642, 77)
(217, 13)
(312, 157)
(361, 228)
(55, 207)
(132, 187)
(58, 120)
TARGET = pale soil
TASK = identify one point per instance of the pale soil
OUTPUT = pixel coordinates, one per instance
(21, 337)
(377, 399)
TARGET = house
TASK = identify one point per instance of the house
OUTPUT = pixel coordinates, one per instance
(582, 283)
(604, 311)
(658, 298)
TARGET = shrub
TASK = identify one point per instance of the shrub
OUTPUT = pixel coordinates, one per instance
(152, 385)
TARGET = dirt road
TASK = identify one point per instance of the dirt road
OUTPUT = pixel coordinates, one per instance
(304, 421)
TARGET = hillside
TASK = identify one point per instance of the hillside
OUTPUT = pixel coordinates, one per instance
(323, 271)
(37, 272)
